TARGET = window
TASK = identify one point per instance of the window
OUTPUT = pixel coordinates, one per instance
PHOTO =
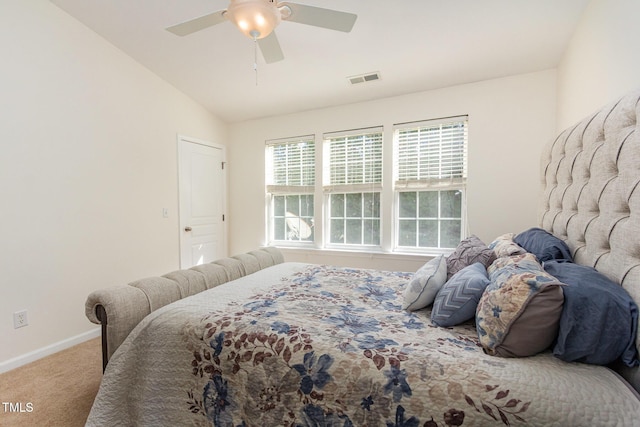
(429, 219)
(431, 171)
(411, 199)
(355, 218)
(353, 183)
(290, 166)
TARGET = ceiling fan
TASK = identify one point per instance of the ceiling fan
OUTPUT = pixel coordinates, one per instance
(258, 18)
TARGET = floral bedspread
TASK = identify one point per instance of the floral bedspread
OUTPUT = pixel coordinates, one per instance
(329, 346)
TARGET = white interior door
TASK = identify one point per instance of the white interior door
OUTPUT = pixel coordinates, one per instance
(202, 202)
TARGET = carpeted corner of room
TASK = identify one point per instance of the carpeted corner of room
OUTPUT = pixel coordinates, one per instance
(57, 390)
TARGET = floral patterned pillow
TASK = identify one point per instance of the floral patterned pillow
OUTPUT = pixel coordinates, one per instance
(519, 312)
(425, 284)
(504, 246)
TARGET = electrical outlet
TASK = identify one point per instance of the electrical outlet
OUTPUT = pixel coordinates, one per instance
(20, 319)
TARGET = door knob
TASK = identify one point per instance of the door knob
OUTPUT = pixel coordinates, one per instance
(187, 229)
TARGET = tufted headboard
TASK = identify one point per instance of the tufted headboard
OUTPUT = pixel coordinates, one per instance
(591, 194)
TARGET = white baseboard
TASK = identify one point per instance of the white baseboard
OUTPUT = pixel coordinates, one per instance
(16, 362)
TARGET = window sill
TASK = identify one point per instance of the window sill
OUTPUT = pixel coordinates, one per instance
(364, 253)
(392, 261)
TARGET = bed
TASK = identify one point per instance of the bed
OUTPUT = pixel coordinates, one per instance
(295, 344)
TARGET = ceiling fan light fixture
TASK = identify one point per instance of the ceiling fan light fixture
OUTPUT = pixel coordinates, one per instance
(255, 18)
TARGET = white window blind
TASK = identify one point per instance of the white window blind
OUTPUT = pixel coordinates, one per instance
(291, 165)
(355, 159)
(433, 152)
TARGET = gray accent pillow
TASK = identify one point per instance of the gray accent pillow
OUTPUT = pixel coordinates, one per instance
(469, 251)
(425, 284)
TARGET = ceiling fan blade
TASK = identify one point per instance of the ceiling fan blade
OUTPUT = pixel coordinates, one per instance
(270, 48)
(197, 24)
(319, 17)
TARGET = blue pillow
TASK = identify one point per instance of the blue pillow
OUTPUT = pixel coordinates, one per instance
(457, 300)
(599, 319)
(544, 245)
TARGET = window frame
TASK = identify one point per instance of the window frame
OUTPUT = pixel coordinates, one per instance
(330, 188)
(421, 184)
(283, 190)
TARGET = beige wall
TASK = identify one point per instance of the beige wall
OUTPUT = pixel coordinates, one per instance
(510, 119)
(89, 159)
(89, 156)
(602, 61)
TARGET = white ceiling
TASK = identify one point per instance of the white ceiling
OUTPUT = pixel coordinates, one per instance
(415, 45)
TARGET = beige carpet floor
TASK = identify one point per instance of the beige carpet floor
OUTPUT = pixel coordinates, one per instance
(60, 388)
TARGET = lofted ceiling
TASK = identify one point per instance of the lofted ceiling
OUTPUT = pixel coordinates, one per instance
(414, 45)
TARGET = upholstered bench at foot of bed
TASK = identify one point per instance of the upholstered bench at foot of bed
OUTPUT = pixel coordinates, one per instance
(120, 308)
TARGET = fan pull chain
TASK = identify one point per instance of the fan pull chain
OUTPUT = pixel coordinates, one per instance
(255, 55)
(255, 59)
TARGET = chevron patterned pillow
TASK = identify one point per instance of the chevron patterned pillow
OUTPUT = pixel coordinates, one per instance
(457, 300)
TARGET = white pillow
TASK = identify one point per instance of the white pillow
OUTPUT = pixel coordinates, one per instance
(425, 284)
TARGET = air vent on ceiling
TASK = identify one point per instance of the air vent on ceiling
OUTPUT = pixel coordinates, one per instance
(362, 78)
